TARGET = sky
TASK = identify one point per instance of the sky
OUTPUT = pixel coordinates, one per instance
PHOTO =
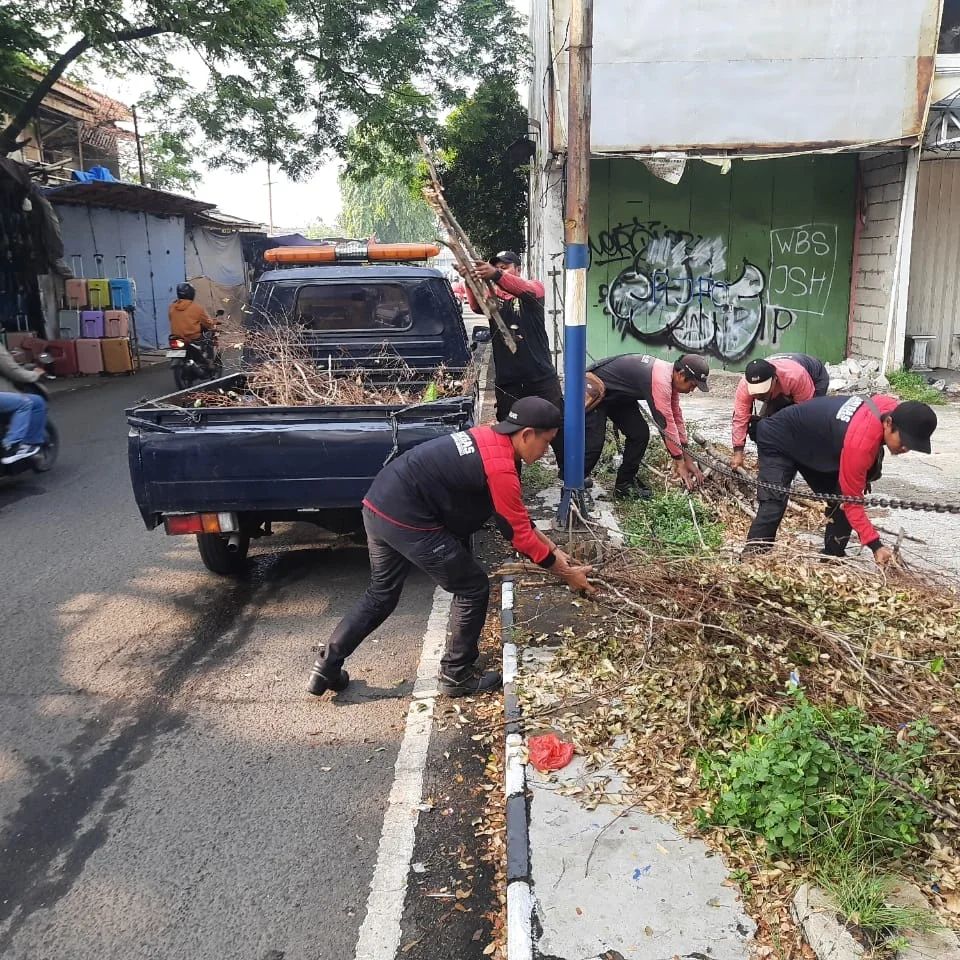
(295, 204)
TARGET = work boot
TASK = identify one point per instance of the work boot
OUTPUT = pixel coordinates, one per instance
(321, 680)
(473, 681)
(632, 490)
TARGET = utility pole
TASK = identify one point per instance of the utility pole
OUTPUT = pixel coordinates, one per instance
(136, 136)
(576, 254)
(270, 197)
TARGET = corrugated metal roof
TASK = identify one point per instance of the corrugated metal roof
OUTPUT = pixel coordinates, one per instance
(218, 220)
(128, 196)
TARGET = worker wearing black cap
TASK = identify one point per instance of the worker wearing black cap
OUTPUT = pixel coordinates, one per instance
(625, 380)
(420, 511)
(776, 382)
(529, 372)
(837, 446)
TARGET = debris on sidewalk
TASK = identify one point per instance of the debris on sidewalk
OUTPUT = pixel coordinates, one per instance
(700, 690)
(549, 752)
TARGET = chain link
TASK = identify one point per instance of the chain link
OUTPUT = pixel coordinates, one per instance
(721, 466)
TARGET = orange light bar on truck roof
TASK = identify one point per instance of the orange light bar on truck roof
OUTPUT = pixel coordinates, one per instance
(347, 252)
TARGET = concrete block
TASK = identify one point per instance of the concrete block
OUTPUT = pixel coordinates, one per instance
(893, 191)
(880, 227)
(870, 297)
(822, 928)
(941, 943)
(887, 210)
(869, 262)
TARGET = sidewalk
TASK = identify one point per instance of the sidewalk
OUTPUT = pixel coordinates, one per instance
(148, 361)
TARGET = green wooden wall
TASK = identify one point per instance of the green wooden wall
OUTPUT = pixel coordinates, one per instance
(734, 266)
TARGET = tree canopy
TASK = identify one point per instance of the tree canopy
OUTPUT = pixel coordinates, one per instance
(167, 162)
(486, 190)
(385, 205)
(279, 76)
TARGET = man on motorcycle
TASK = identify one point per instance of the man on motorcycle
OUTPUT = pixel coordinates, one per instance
(188, 320)
(28, 420)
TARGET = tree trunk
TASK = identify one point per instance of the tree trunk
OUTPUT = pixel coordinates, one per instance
(10, 135)
(8, 139)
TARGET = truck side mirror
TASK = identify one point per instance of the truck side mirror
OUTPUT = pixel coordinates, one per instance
(481, 335)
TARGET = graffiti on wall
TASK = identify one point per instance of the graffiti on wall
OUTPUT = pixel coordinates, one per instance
(803, 260)
(674, 289)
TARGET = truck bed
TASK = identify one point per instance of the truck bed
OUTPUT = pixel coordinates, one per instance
(272, 462)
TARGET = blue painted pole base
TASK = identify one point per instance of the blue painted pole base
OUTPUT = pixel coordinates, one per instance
(570, 497)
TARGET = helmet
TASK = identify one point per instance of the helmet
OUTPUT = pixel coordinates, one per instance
(506, 256)
(185, 291)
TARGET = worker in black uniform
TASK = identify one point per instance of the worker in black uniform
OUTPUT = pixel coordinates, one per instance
(421, 510)
(529, 372)
(837, 446)
(625, 381)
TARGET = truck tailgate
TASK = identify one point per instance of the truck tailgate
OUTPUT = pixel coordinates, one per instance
(273, 458)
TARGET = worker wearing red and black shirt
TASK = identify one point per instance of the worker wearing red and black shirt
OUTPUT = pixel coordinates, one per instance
(775, 382)
(421, 510)
(837, 446)
(627, 380)
(529, 372)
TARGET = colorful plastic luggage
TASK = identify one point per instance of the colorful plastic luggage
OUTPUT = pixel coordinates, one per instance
(76, 293)
(89, 356)
(64, 353)
(68, 324)
(98, 292)
(116, 323)
(123, 290)
(117, 357)
(91, 324)
(20, 341)
(76, 289)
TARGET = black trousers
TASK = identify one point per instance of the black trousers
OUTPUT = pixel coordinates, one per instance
(442, 557)
(780, 468)
(627, 418)
(548, 388)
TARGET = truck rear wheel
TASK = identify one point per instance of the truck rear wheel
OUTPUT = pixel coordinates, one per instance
(221, 556)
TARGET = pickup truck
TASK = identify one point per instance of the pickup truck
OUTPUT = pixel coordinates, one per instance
(226, 474)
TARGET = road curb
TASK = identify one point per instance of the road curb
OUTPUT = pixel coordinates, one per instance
(520, 900)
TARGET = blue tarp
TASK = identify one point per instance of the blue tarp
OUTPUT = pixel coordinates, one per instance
(94, 174)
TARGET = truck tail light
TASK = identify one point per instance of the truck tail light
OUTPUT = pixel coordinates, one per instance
(353, 252)
(183, 523)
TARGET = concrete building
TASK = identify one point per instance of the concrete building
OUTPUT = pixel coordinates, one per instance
(754, 174)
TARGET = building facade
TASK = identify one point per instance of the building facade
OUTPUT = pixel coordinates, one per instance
(751, 191)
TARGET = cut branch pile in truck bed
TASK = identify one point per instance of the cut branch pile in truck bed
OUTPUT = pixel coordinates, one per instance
(280, 371)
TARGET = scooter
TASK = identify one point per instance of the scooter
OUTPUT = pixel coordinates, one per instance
(195, 362)
(50, 446)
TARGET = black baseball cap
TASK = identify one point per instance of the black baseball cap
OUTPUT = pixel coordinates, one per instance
(696, 368)
(505, 256)
(530, 412)
(916, 423)
(759, 375)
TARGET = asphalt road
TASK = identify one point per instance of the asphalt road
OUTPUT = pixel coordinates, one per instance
(167, 789)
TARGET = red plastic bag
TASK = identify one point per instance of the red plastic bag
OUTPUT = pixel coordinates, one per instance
(549, 752)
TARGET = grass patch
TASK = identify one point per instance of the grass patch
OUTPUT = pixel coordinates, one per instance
(815, 784)
(673, 524)
(536, 477)
(861, 894)
(912, 386)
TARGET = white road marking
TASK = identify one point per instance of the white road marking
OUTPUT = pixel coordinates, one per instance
(380, 932)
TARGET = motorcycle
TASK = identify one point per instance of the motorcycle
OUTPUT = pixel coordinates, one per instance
(50, 446)
(197, 361)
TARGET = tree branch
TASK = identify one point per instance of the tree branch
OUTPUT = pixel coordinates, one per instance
(11, 133)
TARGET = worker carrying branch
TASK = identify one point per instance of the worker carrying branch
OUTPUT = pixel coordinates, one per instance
(529, 372)
(421, 511)
(776, 382)
(615, 386)
(837, 446)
